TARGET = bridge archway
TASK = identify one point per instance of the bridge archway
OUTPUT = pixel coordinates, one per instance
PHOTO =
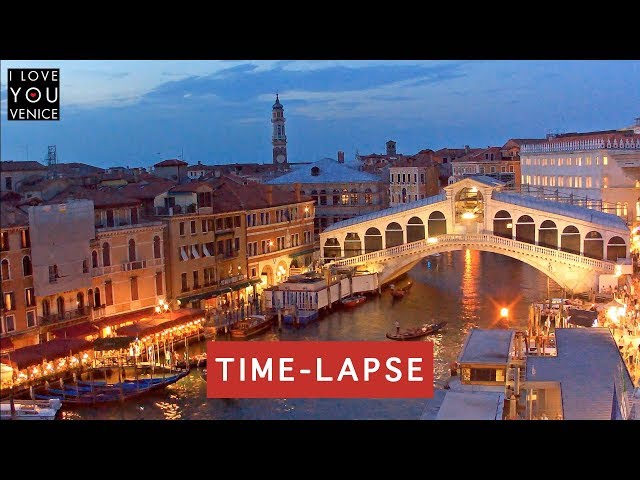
(593, 245)
(352, 245)
(526, 229)
(469, 204)
(393, 235)
(437, 224)
(503, 224)
(372, 240)
(570, 240)
(616, 248)
(332, 248)
(548, 234)
(415, 229)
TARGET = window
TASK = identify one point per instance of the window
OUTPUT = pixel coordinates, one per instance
(578, 161)
(220, 248)
(569, 161)
(85, 266)
(208, 249)
(254, 272)
(134, 289)
(587, 181)
(9, 301)
(108, 292)
(29, 297)
(605, 161)
(5, 270)
(345, 197)
(53, 273)
(422, 178)
(194, 251)
(587, 161)
(132, 250)
(185, 282)
(336, 196)
(10, 323)
(4, 241)
(511, 168)
(25, 241)
(193, 227)
(159, 286)
(236, 221)
(196, 282)
(354, 196)
(8, 183)
(263, 246)
(156, 247)
(368, 196)
(391, 179)
(31, 318)
(110, 222)
(486, 375)
(561, 181)
(94, 259)
(323, 197)
(106, 255)
(236, 244)
(134, 216)
(204, 226)
(560, 162)
(181, 227)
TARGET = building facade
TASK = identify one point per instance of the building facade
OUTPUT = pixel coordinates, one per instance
(412, 179)
(595, 169)
(489, 162)
(18, 304)
(339, 190)
(13, 173)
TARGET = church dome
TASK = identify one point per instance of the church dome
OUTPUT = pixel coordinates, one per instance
(277, 104)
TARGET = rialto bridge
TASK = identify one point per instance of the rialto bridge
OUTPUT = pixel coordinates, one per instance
(572, 245)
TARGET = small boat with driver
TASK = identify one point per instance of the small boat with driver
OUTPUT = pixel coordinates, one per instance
(416, 332)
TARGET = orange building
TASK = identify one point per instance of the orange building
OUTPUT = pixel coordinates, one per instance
(18, 305)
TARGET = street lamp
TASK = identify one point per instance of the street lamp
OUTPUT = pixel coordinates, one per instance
(504, 312)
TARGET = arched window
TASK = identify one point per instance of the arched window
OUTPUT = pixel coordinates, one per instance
(46, 308)
(106, 255)
(5, 269)
(132, 250)
(60, 305)
(404, 195)
(156, 247)
(96, 297)
(80, 301)
(94, 259)
(26, 266)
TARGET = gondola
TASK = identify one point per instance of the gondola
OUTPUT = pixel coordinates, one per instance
(400, 292)
(99, 392)
(413, 333)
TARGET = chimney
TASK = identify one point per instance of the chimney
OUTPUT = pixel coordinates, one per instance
(296, 188)
(340, 156)
(269, 192)
(466, 149)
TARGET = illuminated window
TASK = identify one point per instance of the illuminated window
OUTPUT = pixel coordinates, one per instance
(354, 196)
(561, 181)
(569, 161)
(368, 196)
(345, 197)
(587, 182)
(579, 161)
(605, 160)
(560, 162)
(587, 161)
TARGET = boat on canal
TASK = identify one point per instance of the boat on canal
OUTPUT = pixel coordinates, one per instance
(353, 300)
(30, 409)
(416, 332)
(251, 325)
(400, 292)
(99, 392)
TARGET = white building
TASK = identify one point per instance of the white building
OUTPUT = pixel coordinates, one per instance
(594, 169)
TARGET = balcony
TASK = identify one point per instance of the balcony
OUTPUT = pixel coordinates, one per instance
(79, 313)
(127, 266)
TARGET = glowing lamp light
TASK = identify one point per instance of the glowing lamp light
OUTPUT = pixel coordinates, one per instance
(306, 209)
(509, 225)
(271, 243)
(504, 312)
(432, 240)
(468, 215)
(158, 309)
(618, 270)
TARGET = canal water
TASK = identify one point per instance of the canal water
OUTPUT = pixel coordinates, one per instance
(466, 288)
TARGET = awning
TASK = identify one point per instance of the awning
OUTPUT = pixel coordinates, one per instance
(6, 345)
(125, 318)
(154, 325)
(112, 343)
(80, 330)
(584, 318)
(58, 348)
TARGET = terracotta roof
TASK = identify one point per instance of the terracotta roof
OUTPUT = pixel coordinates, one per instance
(606, 136)
(190, 187)
(173, 162)
(77, 168)
(20, 166)
(146, 189)
(193, 168)
(12, 216)
(478, 155)
(102, 198)
(252, 196)
(419, 161)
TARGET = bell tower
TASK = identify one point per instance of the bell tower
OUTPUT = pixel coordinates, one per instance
(278, 137)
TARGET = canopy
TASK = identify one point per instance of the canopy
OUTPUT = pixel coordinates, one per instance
(112, 343)
(614, 303)
(58, 348)
(584, 318)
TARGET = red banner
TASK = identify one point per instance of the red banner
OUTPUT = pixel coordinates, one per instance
(320, 369)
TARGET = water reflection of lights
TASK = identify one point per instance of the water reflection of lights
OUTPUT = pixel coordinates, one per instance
(470, 279)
